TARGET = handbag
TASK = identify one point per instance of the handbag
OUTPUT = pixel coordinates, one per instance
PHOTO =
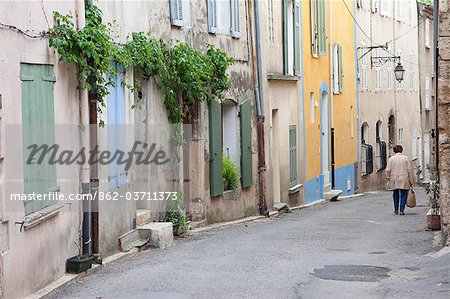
(411, 201)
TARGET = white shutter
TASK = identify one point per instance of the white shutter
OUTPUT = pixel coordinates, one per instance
(427, 93)
(375, 6)
(212, 16)
(427, 33)
(335, 62)
(176, 12)
(234, 4)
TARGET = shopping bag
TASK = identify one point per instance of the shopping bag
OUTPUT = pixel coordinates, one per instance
(411, 201)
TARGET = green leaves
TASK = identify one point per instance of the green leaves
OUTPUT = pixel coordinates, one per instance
(182, 73)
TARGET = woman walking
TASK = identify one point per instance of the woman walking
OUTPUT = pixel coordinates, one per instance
(399, 177)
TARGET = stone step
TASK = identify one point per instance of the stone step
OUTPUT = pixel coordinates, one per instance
(332, 195)
(161, 234)
(143, 217)
(134, 238)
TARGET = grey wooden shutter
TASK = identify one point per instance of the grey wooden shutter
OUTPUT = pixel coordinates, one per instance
(285, 38)
(314, 30)
(235, 32)
(292, 155)
(246, 143)
(212, 16)
(215, 148)
(322, 27)
(297, 38)
(176, 12)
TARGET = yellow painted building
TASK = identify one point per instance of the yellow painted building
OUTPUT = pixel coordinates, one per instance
(329, 97)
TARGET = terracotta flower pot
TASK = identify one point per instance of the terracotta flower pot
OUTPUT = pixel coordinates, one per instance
(433, 220)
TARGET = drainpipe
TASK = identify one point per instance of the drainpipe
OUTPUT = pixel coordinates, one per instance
(84, 129)
(333, 182)
(436, 81)
(257, 79)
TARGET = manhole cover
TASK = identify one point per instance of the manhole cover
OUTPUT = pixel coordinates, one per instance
(352, 273)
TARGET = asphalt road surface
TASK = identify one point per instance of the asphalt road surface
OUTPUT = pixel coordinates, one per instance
(354, 248)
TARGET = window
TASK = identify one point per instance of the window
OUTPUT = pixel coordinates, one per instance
(363, 68)
(375, 6)
(412, 85)
(384, 9)
(378, 71)
(38, 119)
(410, 12)
(414, 141)
(270, 22)
(212, 16)
(117, 175)
(399, 53)
(381, 148)
(312, 106)
(318, 28)
(366, 151)
(224, 17)
(229, 130)
(427, 33)
(390, 71)
(291, 37)
(292, 155)
(400, 135)
(337, 68)
(398, 10)
(179, 11)
(314, 29)
(235, 32)
(427, 93)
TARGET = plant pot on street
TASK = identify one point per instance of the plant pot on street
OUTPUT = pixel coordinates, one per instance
(78, 264)
(434, 219)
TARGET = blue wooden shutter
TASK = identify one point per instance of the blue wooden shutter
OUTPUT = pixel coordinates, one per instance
(38, 119)
(215, 148)
(292, 155)
(116, 128)
(322, 27)
(246, 143)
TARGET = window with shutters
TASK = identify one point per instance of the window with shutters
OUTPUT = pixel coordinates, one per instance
(385, 7)
(398, 10)
(427, 33)
(117, 175)
(412, 72)
(363, 68)
(291, 37)
(378, 71)
(314, 30)
(427, 93)
(322, 22)
(38, 119)
(400, 135)
(224, 17)
(337, 68)
(270, 22)
(292, 155)
(390, 71)
(179, 12)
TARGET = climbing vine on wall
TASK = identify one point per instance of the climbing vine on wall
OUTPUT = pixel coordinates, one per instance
(183, 74)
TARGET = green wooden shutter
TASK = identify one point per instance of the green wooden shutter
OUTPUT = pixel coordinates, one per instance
(215, 148)
(314, 31)
(297, 38)
(246, 143)
(322, 27)
(292, 155)
(285, 38)
(38, 119)
(340, 74)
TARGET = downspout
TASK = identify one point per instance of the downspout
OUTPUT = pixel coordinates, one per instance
(84, 129)
(436, 81)
(333, 182)
(259, 100)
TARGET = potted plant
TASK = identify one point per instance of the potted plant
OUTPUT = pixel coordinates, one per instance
(80, 262)
(230, 174)
(434, 214)
(175, 213)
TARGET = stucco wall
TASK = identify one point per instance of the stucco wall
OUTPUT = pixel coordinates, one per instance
(35, 257)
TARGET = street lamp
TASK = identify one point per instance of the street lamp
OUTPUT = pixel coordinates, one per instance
(399, 71)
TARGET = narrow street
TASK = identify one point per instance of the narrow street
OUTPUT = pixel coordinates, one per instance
(355, 248)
